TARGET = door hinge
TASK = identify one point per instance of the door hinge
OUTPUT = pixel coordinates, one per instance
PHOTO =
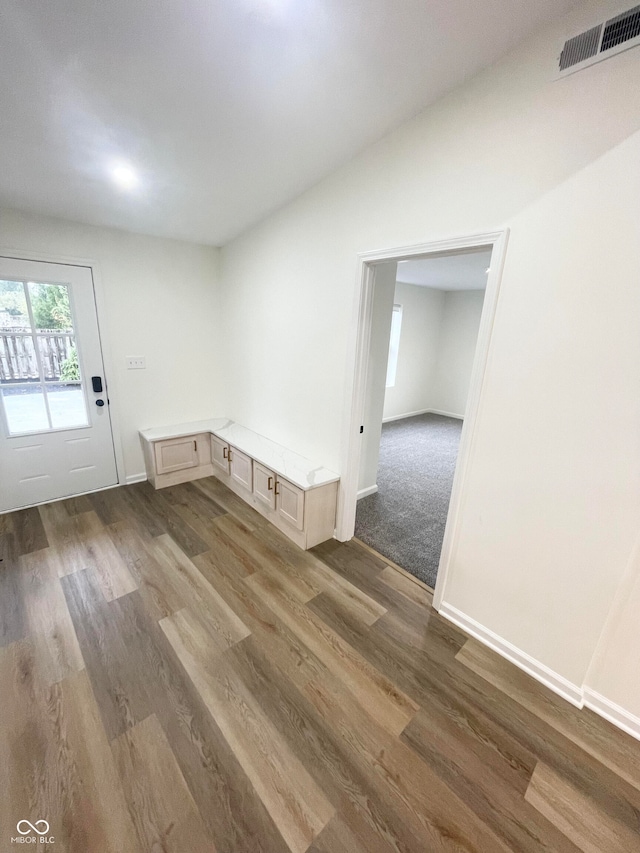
(361, 430)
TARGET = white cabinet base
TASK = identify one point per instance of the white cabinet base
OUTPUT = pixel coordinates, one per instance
(192, 454)
(176, 455)
(264, 481)
(290, 503)
(302, 510)
(319, 512)
(220, 454)
(241, 468)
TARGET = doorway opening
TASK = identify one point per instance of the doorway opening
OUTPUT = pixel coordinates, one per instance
(424, 319)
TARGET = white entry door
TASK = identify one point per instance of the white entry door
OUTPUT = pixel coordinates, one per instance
(55, 429)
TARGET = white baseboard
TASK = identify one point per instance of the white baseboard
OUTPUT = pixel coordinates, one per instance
(364, 493)
(624, 720)
(446, 414)
(581, 697)
(135, 478)
(407, 415)
(422, 412)
(560, 685)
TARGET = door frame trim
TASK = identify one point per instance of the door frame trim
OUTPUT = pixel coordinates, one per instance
(357, 364)
(103, 332)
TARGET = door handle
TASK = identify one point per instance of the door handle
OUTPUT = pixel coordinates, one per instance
(96, 382)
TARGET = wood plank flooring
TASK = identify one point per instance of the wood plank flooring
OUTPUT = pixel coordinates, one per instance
(178, 677)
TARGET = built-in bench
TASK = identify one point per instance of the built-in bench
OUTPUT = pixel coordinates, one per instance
(296, 495)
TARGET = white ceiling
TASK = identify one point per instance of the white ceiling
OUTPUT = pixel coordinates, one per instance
(467, 271)
(227, 108)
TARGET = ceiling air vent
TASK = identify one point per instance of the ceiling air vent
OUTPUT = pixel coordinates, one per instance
(600, 42)
(621, 29)
(580, 48)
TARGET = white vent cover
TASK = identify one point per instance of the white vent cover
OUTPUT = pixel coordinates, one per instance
(600, 42)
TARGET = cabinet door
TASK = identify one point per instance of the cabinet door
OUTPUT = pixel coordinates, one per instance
(290, 503)
(263, 485)
(176, 454)
(220, 453)
(241, 468)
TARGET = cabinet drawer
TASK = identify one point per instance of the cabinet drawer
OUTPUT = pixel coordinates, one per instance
(176, 454)
(290, 503)
(241, 468)
(220, 454)
(264, 485)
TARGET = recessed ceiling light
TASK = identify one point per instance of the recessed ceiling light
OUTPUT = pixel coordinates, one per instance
(124, 176)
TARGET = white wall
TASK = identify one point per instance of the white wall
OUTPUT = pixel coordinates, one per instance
(553, 491)
(160, 301)
(613, 672)
(437, 347)
(456, 351)
(422, 309)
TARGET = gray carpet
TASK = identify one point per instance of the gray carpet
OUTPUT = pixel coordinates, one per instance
(405, 519)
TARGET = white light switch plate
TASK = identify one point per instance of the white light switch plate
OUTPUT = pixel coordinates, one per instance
(136, 362)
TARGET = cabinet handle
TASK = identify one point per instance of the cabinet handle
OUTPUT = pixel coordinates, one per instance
(269, 484)
(225, 450)
(195, 446)
(277, 484)
(230, 456)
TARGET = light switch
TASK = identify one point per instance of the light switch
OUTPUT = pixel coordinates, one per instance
(136, 362)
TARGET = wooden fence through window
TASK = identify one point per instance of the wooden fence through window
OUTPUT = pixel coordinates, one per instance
(18, 361)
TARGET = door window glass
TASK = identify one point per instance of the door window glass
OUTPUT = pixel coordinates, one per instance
(40, 381)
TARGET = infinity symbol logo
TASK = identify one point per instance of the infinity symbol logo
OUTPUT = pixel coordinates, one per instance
(32, 828)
